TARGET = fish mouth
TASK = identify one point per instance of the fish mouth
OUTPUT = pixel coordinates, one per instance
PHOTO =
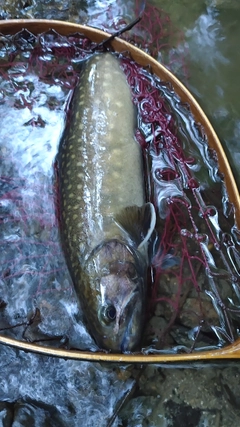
(128, 344)
(123, 334)
(131, 335)
(104, 262)
(126, 332)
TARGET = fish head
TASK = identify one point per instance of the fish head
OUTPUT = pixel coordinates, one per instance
(115, 315)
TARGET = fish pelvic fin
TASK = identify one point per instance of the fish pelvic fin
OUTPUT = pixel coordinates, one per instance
(137, 222)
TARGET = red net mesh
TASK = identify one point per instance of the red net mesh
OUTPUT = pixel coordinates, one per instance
(155, 33)
(196, 223)
(194, 300)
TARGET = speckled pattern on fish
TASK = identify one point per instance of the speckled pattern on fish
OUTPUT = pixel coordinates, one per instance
(102, 203)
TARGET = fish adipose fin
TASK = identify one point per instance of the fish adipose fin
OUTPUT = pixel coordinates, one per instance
(137, 222)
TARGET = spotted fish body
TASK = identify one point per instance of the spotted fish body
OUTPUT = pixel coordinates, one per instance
(105, 223)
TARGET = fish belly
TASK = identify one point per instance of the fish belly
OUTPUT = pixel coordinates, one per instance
(100, 163)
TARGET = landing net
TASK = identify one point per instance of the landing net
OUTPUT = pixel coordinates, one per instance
(194, 291)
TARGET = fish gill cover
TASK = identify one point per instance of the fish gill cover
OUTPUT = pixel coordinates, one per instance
(194, 302)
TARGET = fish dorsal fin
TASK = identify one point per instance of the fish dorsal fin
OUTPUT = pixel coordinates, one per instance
(137, 222)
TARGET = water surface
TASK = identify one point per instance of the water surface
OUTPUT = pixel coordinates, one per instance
(166, 397)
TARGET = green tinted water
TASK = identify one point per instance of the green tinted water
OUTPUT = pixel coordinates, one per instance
(212, 57)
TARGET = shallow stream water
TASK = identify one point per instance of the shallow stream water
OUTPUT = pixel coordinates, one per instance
(211, 41)
(42, 391)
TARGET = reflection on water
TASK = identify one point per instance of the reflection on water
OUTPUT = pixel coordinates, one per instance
(211, 43)
(214, 74)
(34, 281)
(80, 393)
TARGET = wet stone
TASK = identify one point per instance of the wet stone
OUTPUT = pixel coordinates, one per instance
(156, 332)
(180, 397)
(194, 311)
(6, 414)
(182, 415)
(151, 381)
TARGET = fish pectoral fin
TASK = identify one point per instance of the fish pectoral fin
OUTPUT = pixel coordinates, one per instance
(137, 222)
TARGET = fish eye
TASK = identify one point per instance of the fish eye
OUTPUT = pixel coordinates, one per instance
(109, 313)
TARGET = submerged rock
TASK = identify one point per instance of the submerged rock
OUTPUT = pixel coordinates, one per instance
(43, 391)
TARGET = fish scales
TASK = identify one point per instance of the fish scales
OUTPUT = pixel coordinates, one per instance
(101, 192)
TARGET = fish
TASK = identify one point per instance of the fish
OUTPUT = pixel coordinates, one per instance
(106, 222)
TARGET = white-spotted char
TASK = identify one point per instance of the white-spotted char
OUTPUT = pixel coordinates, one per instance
(102, 204)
